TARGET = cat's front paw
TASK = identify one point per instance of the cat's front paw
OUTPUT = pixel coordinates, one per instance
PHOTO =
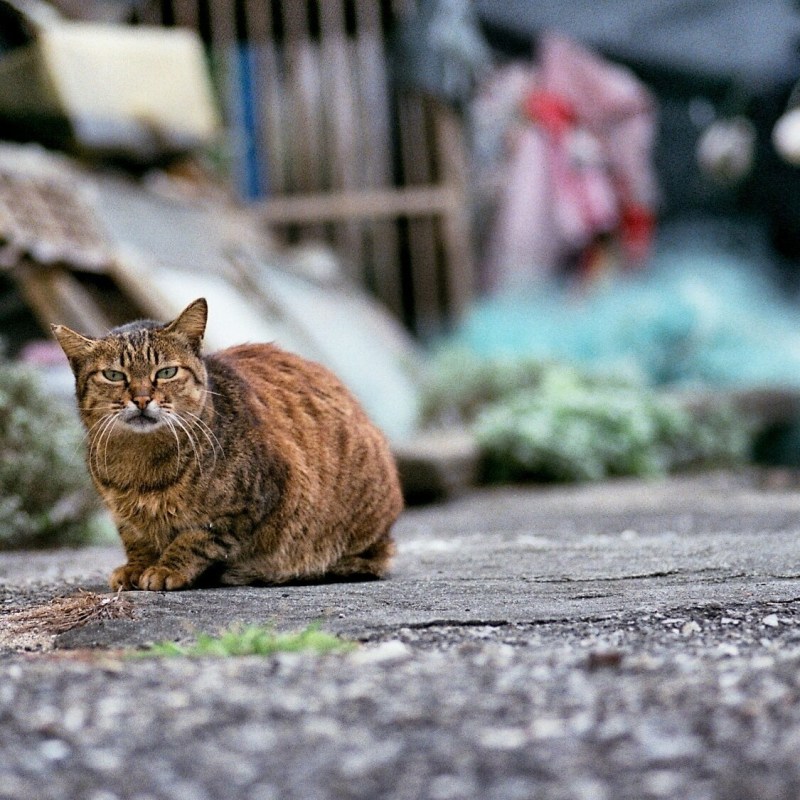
(157, 579)
(125, 577)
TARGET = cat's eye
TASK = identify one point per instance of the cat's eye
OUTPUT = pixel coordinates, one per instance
(167, 372)
(113, 375)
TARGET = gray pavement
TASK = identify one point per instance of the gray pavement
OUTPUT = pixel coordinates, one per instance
(620, 640)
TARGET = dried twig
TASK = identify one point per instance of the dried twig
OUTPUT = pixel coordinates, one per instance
(66, 613)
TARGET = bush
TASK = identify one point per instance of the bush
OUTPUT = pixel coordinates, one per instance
(550, 421)
(46, 497)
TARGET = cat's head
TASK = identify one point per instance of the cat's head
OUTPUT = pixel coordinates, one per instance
(141, 377)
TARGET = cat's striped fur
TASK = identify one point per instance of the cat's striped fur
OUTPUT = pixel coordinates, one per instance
(249, 465)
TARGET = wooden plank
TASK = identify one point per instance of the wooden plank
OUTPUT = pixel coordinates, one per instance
(401, 7)
(423, 261)
(223, 24)
(150, 13)
(55, 296)
(374, 120)
(422, 235)
(344, 152)
(460, 268)
(186, 13)
(258, 20)
(271, 102)
(306, 168)
(406, 202)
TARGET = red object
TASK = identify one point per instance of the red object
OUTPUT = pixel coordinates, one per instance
(550, 110)
(637, 227)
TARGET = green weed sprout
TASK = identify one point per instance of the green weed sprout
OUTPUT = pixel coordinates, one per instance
(254, 640)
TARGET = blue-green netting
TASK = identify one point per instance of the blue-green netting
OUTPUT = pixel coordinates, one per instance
(690, 318)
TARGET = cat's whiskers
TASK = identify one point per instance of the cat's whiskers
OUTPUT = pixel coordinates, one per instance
(107, 407)
(205, 429)
(171, 425)
(107, 438)
(176, 420)
(85, 438)
(101, 440)
(92, 436)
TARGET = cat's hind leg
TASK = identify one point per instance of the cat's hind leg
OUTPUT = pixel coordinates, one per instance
(370, 564)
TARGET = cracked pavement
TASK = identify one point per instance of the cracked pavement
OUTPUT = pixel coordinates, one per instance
(618, 640)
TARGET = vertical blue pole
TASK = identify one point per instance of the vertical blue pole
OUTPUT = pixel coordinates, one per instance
(249, 166)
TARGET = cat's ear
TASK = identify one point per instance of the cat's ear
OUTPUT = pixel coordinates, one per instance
(191, 323)
(76, 347)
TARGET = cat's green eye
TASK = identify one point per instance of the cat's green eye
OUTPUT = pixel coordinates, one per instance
(167, 372)
(113, 375)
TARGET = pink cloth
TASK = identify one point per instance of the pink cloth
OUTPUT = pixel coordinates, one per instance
(578, 167)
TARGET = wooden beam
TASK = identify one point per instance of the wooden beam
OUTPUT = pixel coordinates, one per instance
(410, 201)
(459, 263)
(383, 236)
(186, 13)
(55, 296)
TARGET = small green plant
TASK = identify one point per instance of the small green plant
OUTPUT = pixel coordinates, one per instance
(553, 421)
(582, 433)
(46, 497)
(460, 385)
(254, 640)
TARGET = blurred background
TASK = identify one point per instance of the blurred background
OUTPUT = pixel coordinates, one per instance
(566, 230)
(395, 131)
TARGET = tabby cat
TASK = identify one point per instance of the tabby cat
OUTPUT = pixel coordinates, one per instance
(251, 465)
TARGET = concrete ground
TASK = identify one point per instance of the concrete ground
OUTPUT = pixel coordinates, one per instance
(619, 640)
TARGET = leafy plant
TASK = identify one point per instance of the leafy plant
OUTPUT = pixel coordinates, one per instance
(254, 640)
(550, 421)
(46, 498)
(459, 385)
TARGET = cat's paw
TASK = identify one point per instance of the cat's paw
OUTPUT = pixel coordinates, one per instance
(125, 577)
(157, 579)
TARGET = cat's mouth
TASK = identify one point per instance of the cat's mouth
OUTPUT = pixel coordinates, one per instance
(145, 420)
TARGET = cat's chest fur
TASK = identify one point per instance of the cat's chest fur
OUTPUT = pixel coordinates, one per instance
(155, 515)
(146, 509)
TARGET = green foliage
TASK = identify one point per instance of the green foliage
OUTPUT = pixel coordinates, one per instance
(550, 421)
(255, 641)
(46, 498)
(459, 385)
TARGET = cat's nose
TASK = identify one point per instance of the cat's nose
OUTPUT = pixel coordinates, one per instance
(141, 401)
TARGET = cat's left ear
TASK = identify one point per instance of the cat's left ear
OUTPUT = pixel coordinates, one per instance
(191, 323)
(76, 347)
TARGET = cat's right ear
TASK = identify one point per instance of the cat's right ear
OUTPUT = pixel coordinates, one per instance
(75, 346)
(191, 323)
